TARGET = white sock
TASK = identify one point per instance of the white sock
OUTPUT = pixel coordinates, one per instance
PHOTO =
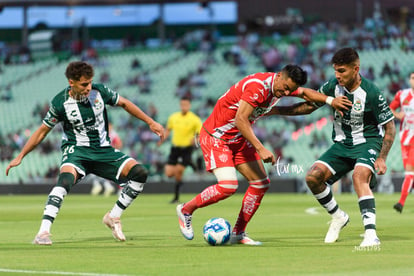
(45, 226)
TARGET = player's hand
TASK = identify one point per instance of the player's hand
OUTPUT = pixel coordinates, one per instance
(341, 104)
(267, 156)
(380, 166)
(14, 163)
(158, 129)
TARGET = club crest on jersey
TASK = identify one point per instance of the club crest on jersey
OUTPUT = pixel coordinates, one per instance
(357, 106)
(97, 104)
(223, 157)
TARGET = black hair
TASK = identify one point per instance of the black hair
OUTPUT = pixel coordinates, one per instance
(76, 69)
(345, 56)
(296, 73)
(185, 98)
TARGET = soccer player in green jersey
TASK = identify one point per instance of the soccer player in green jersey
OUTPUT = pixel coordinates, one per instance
(362, 137)
(86, 146)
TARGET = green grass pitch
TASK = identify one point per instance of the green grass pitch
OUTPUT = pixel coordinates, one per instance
(292, 236)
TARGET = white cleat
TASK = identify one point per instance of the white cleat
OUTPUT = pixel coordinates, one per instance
(115, 225)
(43, 238)
(370, 240)
(184, 221)
(337, 224)
(243, 239)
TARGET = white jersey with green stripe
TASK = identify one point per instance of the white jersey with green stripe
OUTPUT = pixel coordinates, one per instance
(85, 122)
(365, 120)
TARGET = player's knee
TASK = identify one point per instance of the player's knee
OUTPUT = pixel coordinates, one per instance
(66, 180)
(227, 187)
(262, 184)
(314, 177)
(138, 173)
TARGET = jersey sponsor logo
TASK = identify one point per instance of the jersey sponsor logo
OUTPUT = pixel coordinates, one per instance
(49, 118)
(73, 113)
(352, 122)
(385, 115)
(255, 97)
(372, 151)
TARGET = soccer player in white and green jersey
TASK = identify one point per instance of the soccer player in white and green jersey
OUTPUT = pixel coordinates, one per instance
(86, 148)
(362, 137)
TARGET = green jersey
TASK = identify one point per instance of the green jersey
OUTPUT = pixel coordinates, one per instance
(365, 119)
(85, 122)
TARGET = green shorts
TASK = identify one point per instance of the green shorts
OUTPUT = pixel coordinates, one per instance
(106, 162)
(341, 159)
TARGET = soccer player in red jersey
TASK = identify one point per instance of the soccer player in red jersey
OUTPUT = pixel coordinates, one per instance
(404, 101)
(229, 143)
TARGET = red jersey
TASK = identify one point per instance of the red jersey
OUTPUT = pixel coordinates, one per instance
(256, 89)
(404, 99)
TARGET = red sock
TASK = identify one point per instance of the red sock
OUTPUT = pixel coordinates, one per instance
(251, 203)
(406, 188)
(211, 195)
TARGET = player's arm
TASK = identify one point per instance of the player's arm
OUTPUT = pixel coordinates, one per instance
(34, 140)
(387, 142)
(302, 108)
(245, 128)
(338, 103)
(135, 111)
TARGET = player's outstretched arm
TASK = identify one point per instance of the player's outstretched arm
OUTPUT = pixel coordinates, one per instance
(139, 114)
(302, 108)
(33, 141)
(340, 104)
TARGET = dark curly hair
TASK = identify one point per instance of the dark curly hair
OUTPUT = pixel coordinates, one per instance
(77, 69)
(345, 56)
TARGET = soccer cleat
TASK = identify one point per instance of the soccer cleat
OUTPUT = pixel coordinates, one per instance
(337, 224)
(242, 238)
(398, 207)
(370, 240)
(43, 238)
(115, 225)
(184, 221)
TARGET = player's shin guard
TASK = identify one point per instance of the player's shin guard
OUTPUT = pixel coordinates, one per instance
(406, 187)
(222, 190)
(327, 200)
(54, 202)
(251, 202)
(367, 208)
(55, 199)
(136, 179)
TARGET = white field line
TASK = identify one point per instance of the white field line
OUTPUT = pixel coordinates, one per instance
(33, 272)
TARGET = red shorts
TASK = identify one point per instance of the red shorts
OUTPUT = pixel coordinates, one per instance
(218, 153)
(407, 153)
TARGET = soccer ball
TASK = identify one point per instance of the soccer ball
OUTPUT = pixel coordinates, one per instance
(217, 231)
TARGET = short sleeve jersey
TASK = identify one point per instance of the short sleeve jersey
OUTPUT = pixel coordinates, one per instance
(85, 123)
(184, 127)
(404, 99)
(365, 119)
(256, 89)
